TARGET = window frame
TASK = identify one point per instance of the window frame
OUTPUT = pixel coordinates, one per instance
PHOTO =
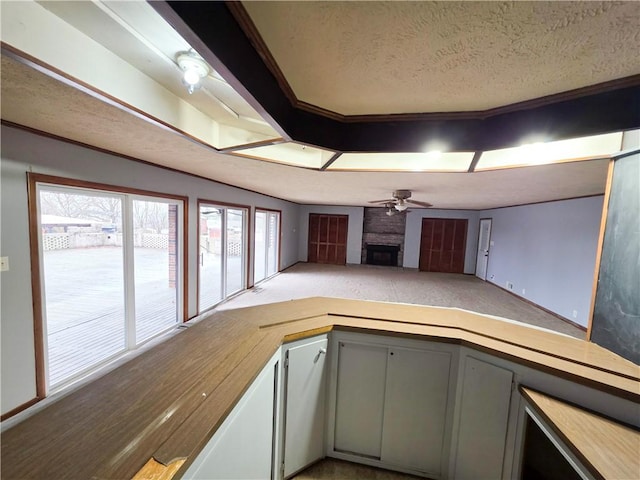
(246, 241)
(34, 181)
(268, 211)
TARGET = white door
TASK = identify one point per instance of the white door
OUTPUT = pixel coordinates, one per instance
(482, 259)
(305, 405)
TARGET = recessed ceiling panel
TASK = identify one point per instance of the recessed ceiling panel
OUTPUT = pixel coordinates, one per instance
(289, 154)
(584, 148)
(128, 51)
(404, 162)
(358, 58)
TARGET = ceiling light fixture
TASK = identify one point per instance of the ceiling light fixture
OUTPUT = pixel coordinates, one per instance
(401, 206)
(194, 70)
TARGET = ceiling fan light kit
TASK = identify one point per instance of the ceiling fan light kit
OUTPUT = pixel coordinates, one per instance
(399, 202)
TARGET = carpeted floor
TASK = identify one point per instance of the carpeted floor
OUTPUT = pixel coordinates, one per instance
(394, 284)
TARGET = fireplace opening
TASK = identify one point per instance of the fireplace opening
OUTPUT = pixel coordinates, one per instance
(386, 255)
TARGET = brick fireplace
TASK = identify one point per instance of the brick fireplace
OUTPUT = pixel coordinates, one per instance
(382, 237)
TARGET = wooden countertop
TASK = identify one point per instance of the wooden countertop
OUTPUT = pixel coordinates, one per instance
(161, 408)
(616, 454)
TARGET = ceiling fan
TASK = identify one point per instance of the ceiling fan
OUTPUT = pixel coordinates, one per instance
(399, 202)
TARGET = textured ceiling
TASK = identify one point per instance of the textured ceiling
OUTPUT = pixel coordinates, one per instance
(33, 99)
(358, 58)
(387, 52)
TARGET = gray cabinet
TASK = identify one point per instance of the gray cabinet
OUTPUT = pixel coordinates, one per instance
(391, 406)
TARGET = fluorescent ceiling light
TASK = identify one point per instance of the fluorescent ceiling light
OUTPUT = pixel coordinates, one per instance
(289, 153)
(574, 149)
(434, 161)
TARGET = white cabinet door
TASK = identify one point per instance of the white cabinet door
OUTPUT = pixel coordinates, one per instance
(415, 409)
(305, 405)
(483, 421)
(242, 447)
(360, 399)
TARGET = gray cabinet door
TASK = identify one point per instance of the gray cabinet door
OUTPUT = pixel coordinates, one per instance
(360, 399)
(305, 405)
(484, 416)
(415, 409)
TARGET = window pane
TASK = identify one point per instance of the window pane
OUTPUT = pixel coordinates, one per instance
(156, 260)
(272, 242)
(235, 250)
(259, 269)
(210, 256)
(83, 280)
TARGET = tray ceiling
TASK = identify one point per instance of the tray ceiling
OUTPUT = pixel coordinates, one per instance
(363, 58)
(223, 133)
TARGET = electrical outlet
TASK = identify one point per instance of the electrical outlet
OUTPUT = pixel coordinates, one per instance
(575, 314)
(509, 286)
(493, 277)
(524, 291)
(4, 264)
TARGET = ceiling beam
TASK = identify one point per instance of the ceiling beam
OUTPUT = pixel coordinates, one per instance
(330, 161)
(474, 162)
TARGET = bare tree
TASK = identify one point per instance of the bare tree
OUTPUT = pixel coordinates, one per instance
(88, 207)
(150, 215)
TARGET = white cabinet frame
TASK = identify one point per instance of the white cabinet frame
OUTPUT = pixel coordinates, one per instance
(389, 342)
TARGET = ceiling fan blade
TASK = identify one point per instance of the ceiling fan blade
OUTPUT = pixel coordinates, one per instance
(422, 204)
(383, 201)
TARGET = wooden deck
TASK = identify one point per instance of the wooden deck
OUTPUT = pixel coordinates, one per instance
(85, 306)
(85, 303)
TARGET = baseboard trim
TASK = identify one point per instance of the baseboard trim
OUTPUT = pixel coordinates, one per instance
(534, 304)
(19, 409)
(291, 266)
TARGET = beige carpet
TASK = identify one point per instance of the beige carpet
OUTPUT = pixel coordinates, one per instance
(393, 284)
(331, 469)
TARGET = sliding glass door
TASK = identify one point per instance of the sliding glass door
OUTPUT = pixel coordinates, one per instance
(155, 259)
(111, 271)
(267, 244)
(222, 252)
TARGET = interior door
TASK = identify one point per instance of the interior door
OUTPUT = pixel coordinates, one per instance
(327, 239)
(482, 260)
(442, 245)
(305, 405)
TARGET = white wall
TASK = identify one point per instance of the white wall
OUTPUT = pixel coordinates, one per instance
(23, 152)
(414, 229)
(354, 234)
(549, 251)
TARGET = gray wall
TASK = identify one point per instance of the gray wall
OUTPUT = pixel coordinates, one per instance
(616, 315)
(549, 251)
(354, 234)
(23, 152)
(414, 228)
